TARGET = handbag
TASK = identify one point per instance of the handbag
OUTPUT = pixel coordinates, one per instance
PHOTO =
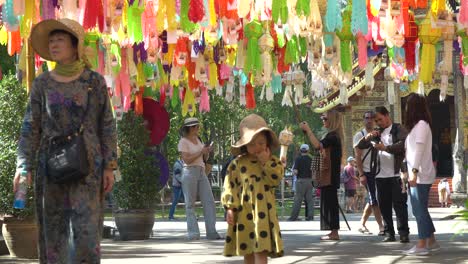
(315, 168)
(67, 159)
(324, 178)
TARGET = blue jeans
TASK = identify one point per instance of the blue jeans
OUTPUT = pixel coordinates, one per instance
(419, 196)
(176, 193)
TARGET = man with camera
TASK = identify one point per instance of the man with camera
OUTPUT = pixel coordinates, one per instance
(366, 176)
(389, 141)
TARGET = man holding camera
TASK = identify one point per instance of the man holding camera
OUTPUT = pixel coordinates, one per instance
(389, 141)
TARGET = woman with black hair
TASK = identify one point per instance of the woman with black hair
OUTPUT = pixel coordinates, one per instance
(421, 171)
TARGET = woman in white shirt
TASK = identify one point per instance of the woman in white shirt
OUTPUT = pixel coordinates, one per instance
(195, 182)
(421, 171)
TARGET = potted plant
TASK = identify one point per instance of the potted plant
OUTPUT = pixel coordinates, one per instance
(136, 193)
(19, 226)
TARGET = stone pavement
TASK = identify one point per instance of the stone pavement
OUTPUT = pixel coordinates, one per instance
(302, 245)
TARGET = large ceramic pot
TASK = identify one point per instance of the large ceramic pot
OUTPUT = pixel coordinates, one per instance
(21, 236)
(134, 224)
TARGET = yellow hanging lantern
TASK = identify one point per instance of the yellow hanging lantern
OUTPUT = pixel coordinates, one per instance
(428, 36)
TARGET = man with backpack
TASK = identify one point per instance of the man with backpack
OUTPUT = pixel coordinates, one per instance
(389, 141)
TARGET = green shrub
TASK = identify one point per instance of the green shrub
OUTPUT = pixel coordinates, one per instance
(13, 99)
(138, 188)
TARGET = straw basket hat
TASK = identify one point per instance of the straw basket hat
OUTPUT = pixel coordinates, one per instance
(40, 35)
(249, 127)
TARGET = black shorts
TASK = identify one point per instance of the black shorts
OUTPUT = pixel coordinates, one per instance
(350, 193)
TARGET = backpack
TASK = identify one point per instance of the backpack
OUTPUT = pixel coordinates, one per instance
(344, 177)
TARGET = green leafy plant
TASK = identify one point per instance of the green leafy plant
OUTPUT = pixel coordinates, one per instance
(13, 99)
(138, 188)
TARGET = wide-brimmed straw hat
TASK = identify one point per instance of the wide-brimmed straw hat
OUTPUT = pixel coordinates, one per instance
(249, 127)
(40, 35)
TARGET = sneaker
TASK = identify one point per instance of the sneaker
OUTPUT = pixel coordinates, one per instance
(389, 238)
(416, 251)
(404, 239)
(434, 247)
(214, 236)
(194, 237)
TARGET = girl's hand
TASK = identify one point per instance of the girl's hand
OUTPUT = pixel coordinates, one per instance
(16, 180)
(304, 126)
(230, 217)
(108, 180)
(412, 180)
(264, 156)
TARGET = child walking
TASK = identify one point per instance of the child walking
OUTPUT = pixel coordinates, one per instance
(249, 194)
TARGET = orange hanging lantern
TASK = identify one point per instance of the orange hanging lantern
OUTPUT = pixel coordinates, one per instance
(14, 42)
(411, 36)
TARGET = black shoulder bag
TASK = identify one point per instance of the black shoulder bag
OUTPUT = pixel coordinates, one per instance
(67, 159)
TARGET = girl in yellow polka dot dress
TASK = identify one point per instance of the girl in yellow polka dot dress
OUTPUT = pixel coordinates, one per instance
(249, 194)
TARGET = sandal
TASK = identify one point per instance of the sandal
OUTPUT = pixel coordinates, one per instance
(329, 238)
(364, 230)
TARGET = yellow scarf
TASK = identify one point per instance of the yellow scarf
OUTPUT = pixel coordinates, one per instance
(71, 69)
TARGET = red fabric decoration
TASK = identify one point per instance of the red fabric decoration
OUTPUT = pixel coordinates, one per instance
(93, 14)
(158, 120)
(249, 96)
(221, 8)
(196, 11)
(404, 5)
(410, 43)
(14, 42)
(192, 82)
(162, 93)
(182, 46)
(282, 67)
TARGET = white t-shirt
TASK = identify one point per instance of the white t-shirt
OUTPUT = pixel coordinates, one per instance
(187, 146)
(359, 135)
(387, 164)
(420, 137)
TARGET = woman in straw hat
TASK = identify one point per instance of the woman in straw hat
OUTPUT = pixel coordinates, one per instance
(329, 214)
(69, 215)
(249, 194)
(194, 180)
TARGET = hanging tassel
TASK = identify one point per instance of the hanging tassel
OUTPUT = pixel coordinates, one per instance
(287, 96)
(250, 96)
(443, 87)
(189, 106)
(253, 31)
(93, 14)
(3, 36)
(230, 90)
(279, 11)
(243, 8)
(299, 89)
(276, 85)
(10, 20)
(369, 75)
(262, 94)
(391, 92)
(362, 51)
(204, 100)
(139, 101)
(175, 97)
(70, 9)
(14, 42)
(242, 100)
(343, 95)
(359, 17)
(333, 19)
(420, 88)
(269, 92)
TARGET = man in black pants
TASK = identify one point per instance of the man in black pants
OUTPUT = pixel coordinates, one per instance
(389, 140)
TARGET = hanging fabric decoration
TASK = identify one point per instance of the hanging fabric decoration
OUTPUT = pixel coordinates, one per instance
(70, 9)
(185, 24)
(266, 46)
(134, 27)
(464, 46)
(428, 36)
(314, 22)
(10, 20)
(3, 36)
(346, 37)
(437, 6)
(189, 106)
(288, 94)
(243, 8)
(333, 19)
(28, 18)
(253, 31)
(204, 100)
(391, 92)
(404, 14)
(279, 11)
(411, 36)
(420, 88)
(93, 14)
(292, 51)
(303, 7)
(299, 79)
(359, 21)
(139, 101)
(362, 50)
(14, 42)
(175, 97)
(48, 10)
(276, 83)
(463, 11)
(249, 97)
(196, 11)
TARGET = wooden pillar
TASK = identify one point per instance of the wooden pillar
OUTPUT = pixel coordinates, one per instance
(30, 74)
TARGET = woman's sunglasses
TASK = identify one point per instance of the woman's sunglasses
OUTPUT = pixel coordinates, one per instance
(324, 118)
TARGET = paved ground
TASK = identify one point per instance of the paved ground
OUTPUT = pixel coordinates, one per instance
(302, 245)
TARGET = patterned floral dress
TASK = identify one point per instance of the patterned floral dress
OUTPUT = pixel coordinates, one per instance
(250, 192)
(69, 216)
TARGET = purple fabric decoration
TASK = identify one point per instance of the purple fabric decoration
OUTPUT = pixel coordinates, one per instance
(139, 49)
(177, 6)
(456, 46)
(163, 37)
(167, 68)
(199, 45)
(48, 9)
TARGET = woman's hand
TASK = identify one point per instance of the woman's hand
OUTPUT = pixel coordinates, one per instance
(16, 180)
(108, 180)
(264, 156)
(305, 127)
(230, 217)
(412, 179)
(206, 149)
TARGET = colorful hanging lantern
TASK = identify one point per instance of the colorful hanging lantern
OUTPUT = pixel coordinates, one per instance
(346, 36)
(428, 36)
(411, 36)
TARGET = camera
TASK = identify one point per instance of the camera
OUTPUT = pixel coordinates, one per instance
(377, 139)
